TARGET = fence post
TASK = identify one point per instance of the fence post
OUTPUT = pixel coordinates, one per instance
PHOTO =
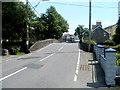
(110, 69)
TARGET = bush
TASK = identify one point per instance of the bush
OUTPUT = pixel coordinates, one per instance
(13, 50)
(109, 42)
(118, 59)
(118, 48)
(118, 55)
(92, 41)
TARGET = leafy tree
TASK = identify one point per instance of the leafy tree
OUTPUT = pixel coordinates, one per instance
(50, 25)
(14, 20)
(81, 31)
(57, 25)
(116, 37)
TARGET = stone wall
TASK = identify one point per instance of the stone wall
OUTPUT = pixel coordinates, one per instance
(41, 44)
(107, 59)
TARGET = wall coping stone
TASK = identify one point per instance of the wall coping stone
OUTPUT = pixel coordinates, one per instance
(100, 46)
(110, 50)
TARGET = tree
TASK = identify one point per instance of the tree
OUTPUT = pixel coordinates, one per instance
(81, 31)
(14, 20)
(56, 24)
(116, 37)
(50, 25)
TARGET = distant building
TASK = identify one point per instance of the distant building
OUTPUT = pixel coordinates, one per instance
(98, 23)
(68, 37)
(111, 30)
(100, 35)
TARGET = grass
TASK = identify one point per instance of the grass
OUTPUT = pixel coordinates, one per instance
(18, 54)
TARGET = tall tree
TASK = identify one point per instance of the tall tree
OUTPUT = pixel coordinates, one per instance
(14, 20)
(81, 31)
(116, 37)
(57, 25)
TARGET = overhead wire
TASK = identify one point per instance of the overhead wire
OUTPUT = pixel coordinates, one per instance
(37, 4)
(34, 8)
(80, 5)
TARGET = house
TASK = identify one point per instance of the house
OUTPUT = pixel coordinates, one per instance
(111, 30)
(98, 23)
(99, 34)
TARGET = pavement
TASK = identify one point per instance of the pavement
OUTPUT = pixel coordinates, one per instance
(58, 65)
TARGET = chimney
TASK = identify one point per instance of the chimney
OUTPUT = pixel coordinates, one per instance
(93, 26)
(98, 23)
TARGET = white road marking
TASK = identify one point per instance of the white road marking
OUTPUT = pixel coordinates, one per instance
(75, 77)
(77, 67)
(28, 54)
(50, 54)
(60, 48)
(20, 57)
(44, 48)
(47, 57)
(13, 74)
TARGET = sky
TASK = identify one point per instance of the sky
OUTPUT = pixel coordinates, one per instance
(76, 12)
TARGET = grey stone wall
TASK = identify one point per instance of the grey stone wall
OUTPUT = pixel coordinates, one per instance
(107, 60)
(41, 44)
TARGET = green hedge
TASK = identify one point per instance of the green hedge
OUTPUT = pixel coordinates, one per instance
(92, 41)
(13, 50)
(117, 47)
(109, 42)
(118, 59)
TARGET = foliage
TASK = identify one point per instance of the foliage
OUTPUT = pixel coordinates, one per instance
(14, 20)
(118, 59)
(117, 47)
(13, 50)
(92, 41)
(110, 42)
(81, 31)
(50, 25)
(16, 16)
(116, 37)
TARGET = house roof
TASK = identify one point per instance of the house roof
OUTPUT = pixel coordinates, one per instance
(101, 29)
(109, 26)
(99, 26)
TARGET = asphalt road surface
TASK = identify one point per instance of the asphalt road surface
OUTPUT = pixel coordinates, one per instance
(59, 65)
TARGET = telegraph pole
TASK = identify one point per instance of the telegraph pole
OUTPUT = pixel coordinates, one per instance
(89, 25)
(27, 27)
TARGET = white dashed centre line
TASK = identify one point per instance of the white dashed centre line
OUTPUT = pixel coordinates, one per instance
(13, 74)
(47, 57)
(60, 48)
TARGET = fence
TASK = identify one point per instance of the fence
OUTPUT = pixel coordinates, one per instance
(107, 59)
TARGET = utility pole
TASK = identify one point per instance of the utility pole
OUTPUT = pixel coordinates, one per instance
(89, 25)
(27, 27)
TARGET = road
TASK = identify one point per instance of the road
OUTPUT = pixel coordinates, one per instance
(59, 65)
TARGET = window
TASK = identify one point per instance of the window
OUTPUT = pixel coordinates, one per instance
(104, 34)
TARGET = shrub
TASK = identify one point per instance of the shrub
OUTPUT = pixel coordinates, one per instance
(118, 59)
(118, 55)
(109, 42)
(118, 48)
(92, 41)
(13, 50)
